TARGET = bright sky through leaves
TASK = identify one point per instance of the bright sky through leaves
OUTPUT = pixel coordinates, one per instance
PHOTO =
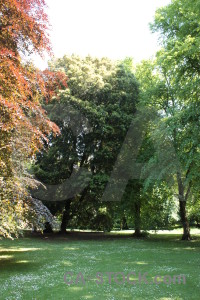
(112, 28)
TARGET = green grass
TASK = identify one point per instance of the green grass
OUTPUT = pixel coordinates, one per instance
(34, 268)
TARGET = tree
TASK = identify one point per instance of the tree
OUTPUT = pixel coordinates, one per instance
(24, 125)
(178, 25)
(102, 94)
(172, 132)
(143, 200)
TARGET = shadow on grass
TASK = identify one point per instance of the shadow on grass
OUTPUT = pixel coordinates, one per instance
(13, 264)
(15, 259)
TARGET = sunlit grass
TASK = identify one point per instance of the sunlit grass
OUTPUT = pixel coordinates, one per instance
(34, 268)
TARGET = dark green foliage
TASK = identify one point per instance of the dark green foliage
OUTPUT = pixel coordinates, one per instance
(94, 116)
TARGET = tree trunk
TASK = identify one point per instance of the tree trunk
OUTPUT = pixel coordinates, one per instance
(65, 216)
(48, 228)
(137, 232)
(182, 204)
(186, 228)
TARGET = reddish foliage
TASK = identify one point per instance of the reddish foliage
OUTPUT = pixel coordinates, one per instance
(54, 81)
(23, 29)
(24, 25)
(24, 125)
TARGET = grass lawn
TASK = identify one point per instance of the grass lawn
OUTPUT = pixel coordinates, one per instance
(34, 268)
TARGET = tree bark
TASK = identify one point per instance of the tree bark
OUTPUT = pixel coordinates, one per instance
(65, 216)
(183, 214)
(186, 228)
(137, 210)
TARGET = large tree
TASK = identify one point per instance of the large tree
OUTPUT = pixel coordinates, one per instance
(178, 25)
(173, 131)
(24, 125)
(103, 95)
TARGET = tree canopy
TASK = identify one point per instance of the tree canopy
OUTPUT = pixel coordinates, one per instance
(24, 125)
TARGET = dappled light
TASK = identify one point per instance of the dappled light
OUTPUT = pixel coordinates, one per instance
(141, 263)
(70, 248)
(44, 267)
(18, 249)
(22, 261)
(4, 257)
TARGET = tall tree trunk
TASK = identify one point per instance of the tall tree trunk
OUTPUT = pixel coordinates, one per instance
(186, 228)
(137, 209)
(65, 216)
(183, 214)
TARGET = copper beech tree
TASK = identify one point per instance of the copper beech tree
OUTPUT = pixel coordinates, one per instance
(24, 125)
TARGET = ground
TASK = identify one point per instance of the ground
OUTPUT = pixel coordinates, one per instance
(36, 267)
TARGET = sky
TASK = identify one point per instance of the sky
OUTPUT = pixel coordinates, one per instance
(112, 28)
